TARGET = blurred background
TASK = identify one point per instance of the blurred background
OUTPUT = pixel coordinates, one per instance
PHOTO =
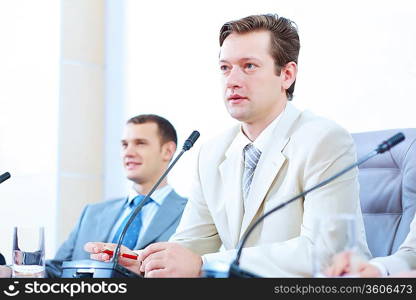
(73, 71)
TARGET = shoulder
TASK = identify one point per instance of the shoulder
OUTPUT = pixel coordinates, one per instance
(311, 129)
(220, 143)
(104, 204)
(317, 141)
(174, 196)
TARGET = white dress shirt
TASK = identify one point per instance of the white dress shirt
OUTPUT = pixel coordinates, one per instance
(241, 140)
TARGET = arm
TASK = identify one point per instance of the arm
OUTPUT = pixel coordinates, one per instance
(404, 259)
(195, 235)
(196, 229)
(54, 266)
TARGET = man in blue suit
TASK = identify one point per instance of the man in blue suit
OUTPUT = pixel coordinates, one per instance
(148, 146)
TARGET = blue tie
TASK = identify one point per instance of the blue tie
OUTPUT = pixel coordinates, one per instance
(132, 233)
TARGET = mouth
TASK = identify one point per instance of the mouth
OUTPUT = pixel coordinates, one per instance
(236, 99)
(132, 165)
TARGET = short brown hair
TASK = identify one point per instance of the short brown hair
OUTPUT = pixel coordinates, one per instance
(167, 132)
(285, 43)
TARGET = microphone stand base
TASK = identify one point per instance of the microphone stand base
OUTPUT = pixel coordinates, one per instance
(236, 272)
(95, 269)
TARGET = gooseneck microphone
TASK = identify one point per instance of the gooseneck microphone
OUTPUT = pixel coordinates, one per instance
(4, 177)
(236, 271)
(187, 145)
(190, 141)
(390, 143)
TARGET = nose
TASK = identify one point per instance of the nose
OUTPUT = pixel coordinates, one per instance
(128, 151)
(234, 78)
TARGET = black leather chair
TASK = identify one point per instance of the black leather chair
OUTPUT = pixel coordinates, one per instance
(387, 189)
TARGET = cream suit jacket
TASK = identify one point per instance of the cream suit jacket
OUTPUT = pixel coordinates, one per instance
(404, 259)
(304, 150)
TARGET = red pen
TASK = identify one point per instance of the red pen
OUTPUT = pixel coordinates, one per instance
(111, 252)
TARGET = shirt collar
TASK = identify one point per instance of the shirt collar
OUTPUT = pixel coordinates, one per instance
(261, 141)
(158, 195)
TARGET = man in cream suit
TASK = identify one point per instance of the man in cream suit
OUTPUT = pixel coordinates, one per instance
(274, 153)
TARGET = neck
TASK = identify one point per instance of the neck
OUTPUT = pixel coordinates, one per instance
(253, 129)
(145, 188)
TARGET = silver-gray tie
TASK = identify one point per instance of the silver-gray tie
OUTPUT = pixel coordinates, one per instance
(251, 158)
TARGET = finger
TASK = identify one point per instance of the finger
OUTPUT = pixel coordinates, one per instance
(97, 247)
(125, 250)
(158, 273)
(150, 258)
(154, 264)
(152, 248)
(156, 255)
(370, 271)
(139, 254)
(5, 272)
(342, 264)
(336, 268)
(100, 256)
(128, 262)
(92, 247)
(328, 271)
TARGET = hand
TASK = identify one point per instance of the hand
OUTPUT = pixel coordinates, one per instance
(342, 266)
(169, 260)
(411, 273)
(96, 249)
(5, 272)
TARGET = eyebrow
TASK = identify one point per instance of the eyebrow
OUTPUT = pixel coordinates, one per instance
(241, 59)
(135, 140)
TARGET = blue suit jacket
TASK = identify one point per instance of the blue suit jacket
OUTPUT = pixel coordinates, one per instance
(97, 221)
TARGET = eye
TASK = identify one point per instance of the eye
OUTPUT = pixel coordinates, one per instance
(224, 68)
(123, 145)
(250, 66)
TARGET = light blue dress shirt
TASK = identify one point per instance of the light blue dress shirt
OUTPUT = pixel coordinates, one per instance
(148, 211)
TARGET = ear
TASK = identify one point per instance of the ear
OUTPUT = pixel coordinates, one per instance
(288, 74)
(168, 149)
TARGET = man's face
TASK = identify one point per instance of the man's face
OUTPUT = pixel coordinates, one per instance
(144, 158)
(252, 90)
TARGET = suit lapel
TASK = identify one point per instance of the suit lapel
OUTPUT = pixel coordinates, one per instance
(269, 165)
(164, 217)
(232, 196)
(107, 219)
(266, 171)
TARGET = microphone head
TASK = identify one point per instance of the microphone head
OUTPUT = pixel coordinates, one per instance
(191, 140)
(4, 177)
(390, 143)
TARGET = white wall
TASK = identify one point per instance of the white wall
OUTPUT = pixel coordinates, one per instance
(29, 99)
(357, 63)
